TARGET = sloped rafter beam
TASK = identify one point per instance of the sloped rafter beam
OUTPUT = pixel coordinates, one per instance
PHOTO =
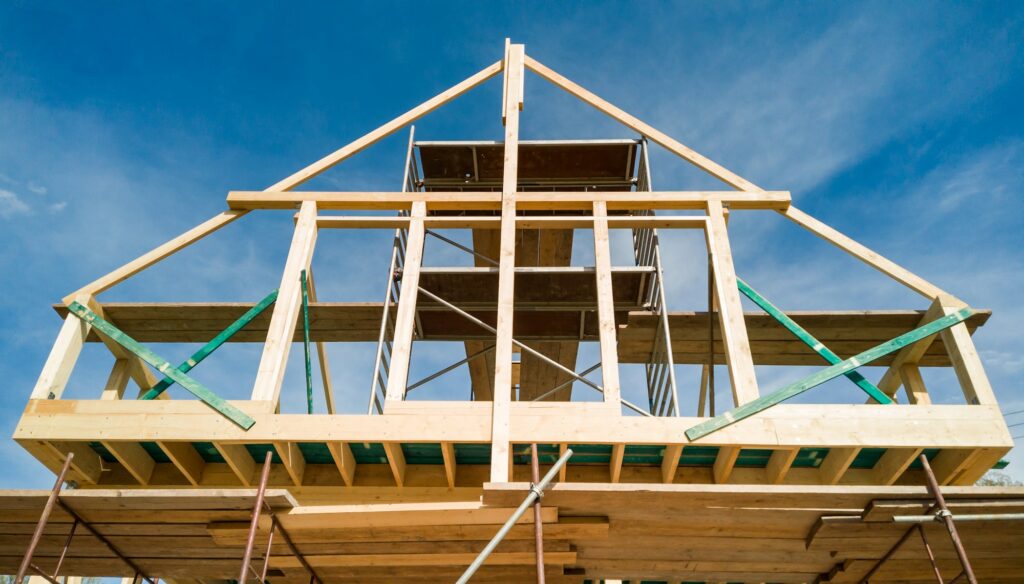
(654, 135)
(387, 129)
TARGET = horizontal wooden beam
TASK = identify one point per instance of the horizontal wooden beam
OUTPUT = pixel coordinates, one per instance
(784, 426)
(490, 201)
(527, 222)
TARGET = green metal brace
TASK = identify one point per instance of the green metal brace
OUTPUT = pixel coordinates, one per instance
(809, 340)
(213, 345)
(194, 387)
(305, 341)
(758, 405)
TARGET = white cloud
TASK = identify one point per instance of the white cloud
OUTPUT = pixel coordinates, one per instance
(57, 207)
(36, 188)
(11, 205)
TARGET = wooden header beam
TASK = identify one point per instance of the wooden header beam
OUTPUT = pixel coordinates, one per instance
(491, 201)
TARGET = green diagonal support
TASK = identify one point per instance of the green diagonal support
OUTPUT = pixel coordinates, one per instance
(758, 405)
(197, 389)
(809, 340)
(305, 341)
(213, 345)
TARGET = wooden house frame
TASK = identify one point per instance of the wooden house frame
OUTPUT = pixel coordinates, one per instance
(865, 452)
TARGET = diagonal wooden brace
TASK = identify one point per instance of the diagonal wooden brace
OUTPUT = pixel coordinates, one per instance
(809, 340)
(829, 373)
(194, 387)
(213, 345)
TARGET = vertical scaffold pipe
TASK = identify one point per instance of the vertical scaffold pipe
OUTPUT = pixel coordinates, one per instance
(536, 490)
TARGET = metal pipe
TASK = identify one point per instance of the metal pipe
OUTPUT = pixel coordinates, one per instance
(528, 349)
(64, 552)
(434, 376)
(295, 551)
(254, 524)
(972, 517)
(110, 546)
(536, 490)
(538, 526)
(458, 245)
(711, 337)
(39, 571)
(867, 577)
(947, 518)
(586, 371)
(51, 501)
(931, 556)
(270, 543)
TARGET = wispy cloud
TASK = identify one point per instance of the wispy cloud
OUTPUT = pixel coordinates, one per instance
(12, 205)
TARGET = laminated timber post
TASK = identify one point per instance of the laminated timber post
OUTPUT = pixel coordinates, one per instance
(501, 467)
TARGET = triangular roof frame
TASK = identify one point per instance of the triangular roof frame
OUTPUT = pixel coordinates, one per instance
(847, 244)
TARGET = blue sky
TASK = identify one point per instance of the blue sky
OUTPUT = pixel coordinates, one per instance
(127, 123)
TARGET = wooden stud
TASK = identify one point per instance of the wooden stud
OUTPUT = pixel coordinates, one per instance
(913, 384)
(396, 460)
(344, 460)
(836, 463)
(730, 309)
(606, 308)
(186, 459)
(292, 459)
(562, 448)
(239, 460)
(283, 320)
(448, 453)
(615, 462)
(725, 462)
(501, 469)
(652, 134)
(670, 462)
(61, 361)
(134, 458)
(950, 463)
(891, 465)
(779, 464)
(321, 355)
(862, 253)
(405, 319)
(911, 354)
(117, 381)
(149, 258)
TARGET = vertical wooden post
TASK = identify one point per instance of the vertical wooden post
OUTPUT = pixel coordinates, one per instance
(730, 310)
(605, 307)
(964, 356)
(63, 356)
(500, 448)
(405, 320)
(286, 310)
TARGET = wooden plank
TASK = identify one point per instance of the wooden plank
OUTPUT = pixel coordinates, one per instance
(405, 320)
(386, 130)
(670, 462)
(285, 316)
(725, 462)
(836, 463)
(501, 468)
(491, 201)
(654, 135)
(436, 559)
(606, 308)
(186, 459)
(292, 460)
(815, 379)
(862, 253)
(950, 463)
(155, 255)
(239, 460)
(61, 360)
(448, 453)
(891, 465)
(912, 354)
(396, 460)
(730, 310)
(562, 448)
(779, 464)
(344, 460)
(615, 461)
(117, 381)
